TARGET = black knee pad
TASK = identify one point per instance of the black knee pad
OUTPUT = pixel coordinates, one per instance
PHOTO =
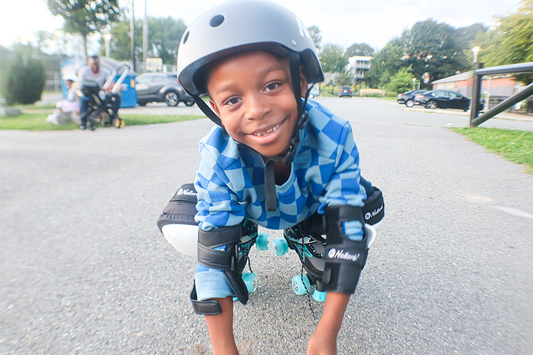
(181, 208)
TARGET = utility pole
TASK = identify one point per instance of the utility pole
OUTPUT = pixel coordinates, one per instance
(132, 32)
(145, 37)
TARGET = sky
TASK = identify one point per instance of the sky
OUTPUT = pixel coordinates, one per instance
(342, 22)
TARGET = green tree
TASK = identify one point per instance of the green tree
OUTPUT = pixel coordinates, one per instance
(430, 47)
(316, 35)
(164, 37)
(464, 36)
(385, 63)
(332, 58)
(120, 41)
(23, 79)
(359, 49)
(510, 42)
(402, 81)
(344, 79)
(85, 16)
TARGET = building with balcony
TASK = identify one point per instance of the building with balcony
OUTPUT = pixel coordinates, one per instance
(358, 66)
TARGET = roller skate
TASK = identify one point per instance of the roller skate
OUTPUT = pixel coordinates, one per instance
(250, 237)
(310, 250)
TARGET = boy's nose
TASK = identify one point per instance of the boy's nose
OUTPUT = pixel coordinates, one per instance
(256, 107)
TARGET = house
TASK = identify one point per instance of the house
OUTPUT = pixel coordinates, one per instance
(497, 85)
(358, 66)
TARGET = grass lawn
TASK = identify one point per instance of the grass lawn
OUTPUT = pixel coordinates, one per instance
(36, 121)
(515, 146)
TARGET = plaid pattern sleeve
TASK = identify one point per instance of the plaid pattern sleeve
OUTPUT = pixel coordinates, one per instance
(325, 171)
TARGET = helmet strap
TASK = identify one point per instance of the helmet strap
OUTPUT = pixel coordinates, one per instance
(207, 110)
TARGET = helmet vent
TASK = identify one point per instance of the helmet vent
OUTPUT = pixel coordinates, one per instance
(216, 20)
(185, 37)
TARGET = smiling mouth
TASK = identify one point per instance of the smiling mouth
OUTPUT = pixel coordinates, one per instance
(267, 132)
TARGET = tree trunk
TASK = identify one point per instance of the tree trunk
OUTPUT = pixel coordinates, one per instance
(85, 53)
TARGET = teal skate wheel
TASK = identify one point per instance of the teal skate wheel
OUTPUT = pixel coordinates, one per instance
(300, 284)
(262, 242)
(250, 280)
(280, 246)
(319, 296)
(235, 299)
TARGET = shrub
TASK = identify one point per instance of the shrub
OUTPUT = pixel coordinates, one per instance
(22, 80)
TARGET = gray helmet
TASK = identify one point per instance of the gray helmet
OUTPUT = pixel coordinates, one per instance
(243, 25)
(238, 26)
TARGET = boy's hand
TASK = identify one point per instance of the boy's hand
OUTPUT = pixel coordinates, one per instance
(322, 344)
(324, 339)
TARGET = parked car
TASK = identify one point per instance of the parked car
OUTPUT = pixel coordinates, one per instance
(408, 98)
(161, 87)
(314, 93)
(443, 99)
(345, 91)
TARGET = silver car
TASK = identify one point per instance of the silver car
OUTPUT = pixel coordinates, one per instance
(161, 87)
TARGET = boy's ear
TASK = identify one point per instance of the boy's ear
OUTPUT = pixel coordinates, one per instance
(303, 82)
(215, 107)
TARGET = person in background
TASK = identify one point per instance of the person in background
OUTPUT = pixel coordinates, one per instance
(94, 72)
(67, 109)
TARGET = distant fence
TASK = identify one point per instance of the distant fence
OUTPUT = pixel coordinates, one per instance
(479, 71)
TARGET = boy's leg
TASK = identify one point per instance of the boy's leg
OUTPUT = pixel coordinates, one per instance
(220, 329)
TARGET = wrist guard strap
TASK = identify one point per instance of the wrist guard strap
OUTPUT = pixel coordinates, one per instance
(344, 258)
(204, 308)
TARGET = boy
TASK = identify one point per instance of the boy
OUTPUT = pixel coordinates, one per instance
(273, 160)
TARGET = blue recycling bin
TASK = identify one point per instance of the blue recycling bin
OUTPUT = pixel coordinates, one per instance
(129, 93)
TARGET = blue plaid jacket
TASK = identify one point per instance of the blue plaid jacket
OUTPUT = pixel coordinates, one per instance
(230, 183)
(325, 171)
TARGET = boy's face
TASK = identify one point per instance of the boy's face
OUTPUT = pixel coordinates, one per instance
(252, 94)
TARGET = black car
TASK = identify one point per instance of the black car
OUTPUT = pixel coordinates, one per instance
(408, 98)
(345, 91)
(443, 99)
(161, 87)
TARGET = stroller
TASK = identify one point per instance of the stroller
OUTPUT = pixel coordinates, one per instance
(103, 106)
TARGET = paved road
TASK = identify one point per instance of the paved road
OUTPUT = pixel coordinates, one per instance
(84, 270)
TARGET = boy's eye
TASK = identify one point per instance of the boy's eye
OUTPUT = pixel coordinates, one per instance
(272, 86)
(231, 101)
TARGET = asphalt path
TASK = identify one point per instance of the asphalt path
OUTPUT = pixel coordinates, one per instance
(84, 269)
